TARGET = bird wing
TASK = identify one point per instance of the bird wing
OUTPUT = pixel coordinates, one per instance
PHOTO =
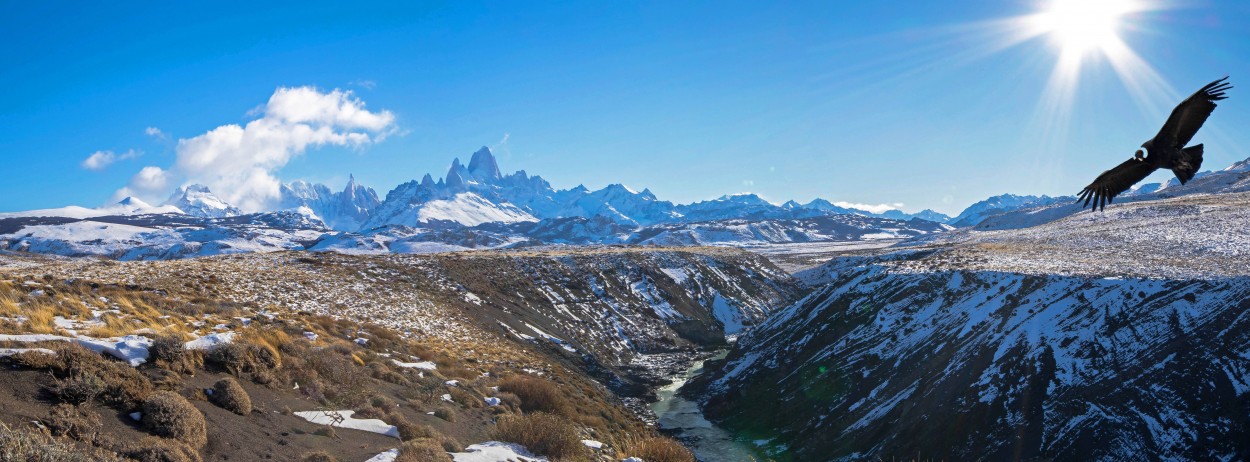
(1113, 182)
(1189, 116)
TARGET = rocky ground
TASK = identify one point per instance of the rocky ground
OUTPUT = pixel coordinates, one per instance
(575, 317)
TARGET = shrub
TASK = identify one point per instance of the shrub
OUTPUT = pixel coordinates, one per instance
(410, 431)
(35, 360)
(76, 390)
(382, 402)
(449, 444)
(536, 395)
(465, 398)
(445, 414)
(542, 433)
(159, 450)
(345, 384)
(265, 377)
(74, 422)
(126, 387)
(169, 352)
(78, 368)
(384, 373)
(422, 450)
(326, 431)
(232, 358)
(660, 450)
(19, 444)
(369, 413)
(231, 396)
(74, 359)
(170, 415)
(319, 456)
(509, 400)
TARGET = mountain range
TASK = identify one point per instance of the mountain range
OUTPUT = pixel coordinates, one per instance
(473, 206)
(476, 206)
(478, 193)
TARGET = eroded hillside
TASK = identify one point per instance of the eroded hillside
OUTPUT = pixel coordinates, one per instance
(1094, 337)
(455, 325)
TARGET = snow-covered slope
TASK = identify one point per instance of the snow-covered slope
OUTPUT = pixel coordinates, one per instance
(741, 232)
(127, 206)
(1233, 179)
(158, 237)
(1106, 336)
(197, 201)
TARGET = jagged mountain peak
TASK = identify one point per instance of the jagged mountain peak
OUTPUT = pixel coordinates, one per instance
(483, 165)
(344, 210)
(454, 180)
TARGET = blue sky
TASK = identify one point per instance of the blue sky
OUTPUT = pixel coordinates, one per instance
(864, 102)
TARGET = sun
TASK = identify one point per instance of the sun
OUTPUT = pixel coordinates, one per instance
(1080, 27)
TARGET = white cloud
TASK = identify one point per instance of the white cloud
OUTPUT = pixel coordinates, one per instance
(239, 163)
(748, 182)
(502, 149)
(155, 133)
(364, 83)
(148, 184)
(873, 208)
(100, 159)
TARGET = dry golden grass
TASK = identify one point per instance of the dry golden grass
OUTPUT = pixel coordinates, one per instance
(270, 339)
(659, 449)
(537, 395)
(544, 434)
(115, 325)
(39, 318)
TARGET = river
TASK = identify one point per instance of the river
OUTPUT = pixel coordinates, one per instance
(683, 419)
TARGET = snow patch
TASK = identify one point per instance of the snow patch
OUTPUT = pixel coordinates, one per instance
(495, 451)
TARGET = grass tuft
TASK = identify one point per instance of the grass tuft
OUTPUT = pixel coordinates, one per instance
(544, 434)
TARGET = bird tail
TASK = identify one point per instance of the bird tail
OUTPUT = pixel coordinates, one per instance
(1190, 162)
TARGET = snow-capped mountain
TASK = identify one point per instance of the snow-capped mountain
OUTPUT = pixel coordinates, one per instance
(472, 206)
(345, 210)
(893, 214)
(979, 211)
(197, 201)
(748, 206)
(517, 197)
(478, 193)
(602, 230)
(125, 207)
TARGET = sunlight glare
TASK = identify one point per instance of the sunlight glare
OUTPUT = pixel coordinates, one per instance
(1083, 26)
